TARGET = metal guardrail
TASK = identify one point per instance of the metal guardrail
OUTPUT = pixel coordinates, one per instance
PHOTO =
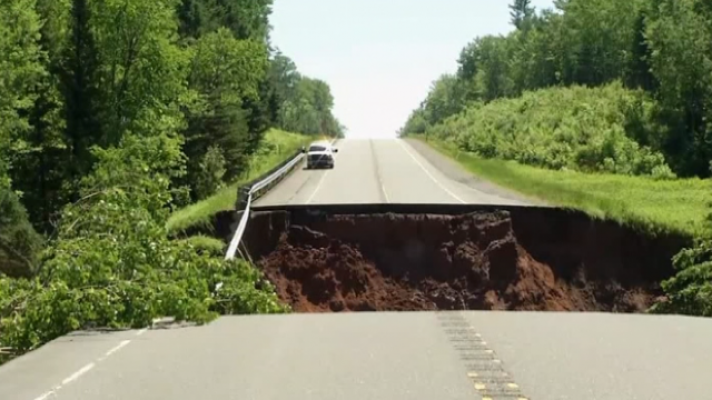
(248, 192)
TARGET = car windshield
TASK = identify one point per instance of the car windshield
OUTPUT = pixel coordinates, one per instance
(317, 148)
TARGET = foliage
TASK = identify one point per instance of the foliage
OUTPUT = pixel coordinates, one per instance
(205, 245)
(112, 263)
(211, 172)
(590, 130)
(109, 110)
(689, 292)
(655, 123)
(84, 73)
(306, 102)
(274, 149)
(675, 206)
(659, 47)
(678, 33)
(246, 19)
(20, 69)
(19, 243)
(225, 72)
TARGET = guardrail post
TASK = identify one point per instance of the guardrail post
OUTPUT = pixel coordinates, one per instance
(242, 194)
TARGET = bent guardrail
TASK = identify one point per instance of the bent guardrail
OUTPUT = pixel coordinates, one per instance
(252, 190)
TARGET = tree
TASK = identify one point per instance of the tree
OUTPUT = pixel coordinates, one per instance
(246, 19)
(225, 73)
(678, 34)
(521, 12)
(22, 69)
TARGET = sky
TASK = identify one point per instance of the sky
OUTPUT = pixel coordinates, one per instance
(381, 56)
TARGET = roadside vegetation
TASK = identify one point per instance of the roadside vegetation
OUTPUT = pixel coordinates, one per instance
(115, 117)
(276, 147)
(652, 205)
(600, 105)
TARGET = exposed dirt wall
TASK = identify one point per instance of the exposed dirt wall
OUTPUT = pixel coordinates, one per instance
(337, 259)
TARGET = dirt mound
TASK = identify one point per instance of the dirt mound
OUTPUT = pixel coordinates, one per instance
(406, 262)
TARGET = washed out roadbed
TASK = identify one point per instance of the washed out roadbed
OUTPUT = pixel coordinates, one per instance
(520, 259)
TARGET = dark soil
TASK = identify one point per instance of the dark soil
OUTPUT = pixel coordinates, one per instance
(477, 261)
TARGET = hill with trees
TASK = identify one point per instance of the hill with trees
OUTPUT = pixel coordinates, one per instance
(597, 87)
(113, 113)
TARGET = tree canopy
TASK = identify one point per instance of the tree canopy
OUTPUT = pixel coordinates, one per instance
(659, 47)
(112, 114)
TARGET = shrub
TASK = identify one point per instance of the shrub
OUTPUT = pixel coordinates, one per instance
(585, 129)
(112, 264)
(19, 243)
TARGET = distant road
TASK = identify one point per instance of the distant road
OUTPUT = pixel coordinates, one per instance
(387, 171)
(380, 356)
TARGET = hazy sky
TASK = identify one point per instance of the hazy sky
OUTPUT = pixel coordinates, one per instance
(380, 56)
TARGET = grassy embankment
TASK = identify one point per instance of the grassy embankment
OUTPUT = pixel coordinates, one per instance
(599, 150)
(276, 147)
(679, 205)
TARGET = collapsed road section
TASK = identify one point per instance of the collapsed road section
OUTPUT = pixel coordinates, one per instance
(454, 257)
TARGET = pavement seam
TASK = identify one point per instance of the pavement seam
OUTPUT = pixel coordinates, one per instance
(377, 171)
(483, 367)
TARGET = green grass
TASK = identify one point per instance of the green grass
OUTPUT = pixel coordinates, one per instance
(276, 147)
(679, 206)
(206, 244)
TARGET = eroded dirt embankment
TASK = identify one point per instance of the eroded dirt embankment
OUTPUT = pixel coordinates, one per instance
(521, 259)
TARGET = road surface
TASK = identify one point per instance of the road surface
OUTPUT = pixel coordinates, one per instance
(389, 356)
(386, 171)
(379, 356)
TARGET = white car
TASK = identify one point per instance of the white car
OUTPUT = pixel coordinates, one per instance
(321, 153)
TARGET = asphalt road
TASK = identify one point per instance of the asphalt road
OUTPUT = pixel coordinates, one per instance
(388, 356)
(385, 171)
(379, 356)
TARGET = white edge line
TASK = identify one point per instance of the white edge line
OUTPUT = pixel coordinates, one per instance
(318, 186)
(403, 146)
(117, 347)
(45, 396)
(85, 369)
(77, 374)
(385, 194)
(141, 332)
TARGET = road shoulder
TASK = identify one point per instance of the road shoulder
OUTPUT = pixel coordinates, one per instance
(456, 172)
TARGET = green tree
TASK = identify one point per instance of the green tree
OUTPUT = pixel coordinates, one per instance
(225, 72)
(521, 12)
(246, 19)
(39, 159)
(22, 69)
(679, 33)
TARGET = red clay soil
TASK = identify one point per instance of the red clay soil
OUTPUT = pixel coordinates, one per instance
(396, 262)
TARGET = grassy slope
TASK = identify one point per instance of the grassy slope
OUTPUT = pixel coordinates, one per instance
(200, 213)
(678, 205)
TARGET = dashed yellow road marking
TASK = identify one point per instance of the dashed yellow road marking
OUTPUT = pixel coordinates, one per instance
(484, 369)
